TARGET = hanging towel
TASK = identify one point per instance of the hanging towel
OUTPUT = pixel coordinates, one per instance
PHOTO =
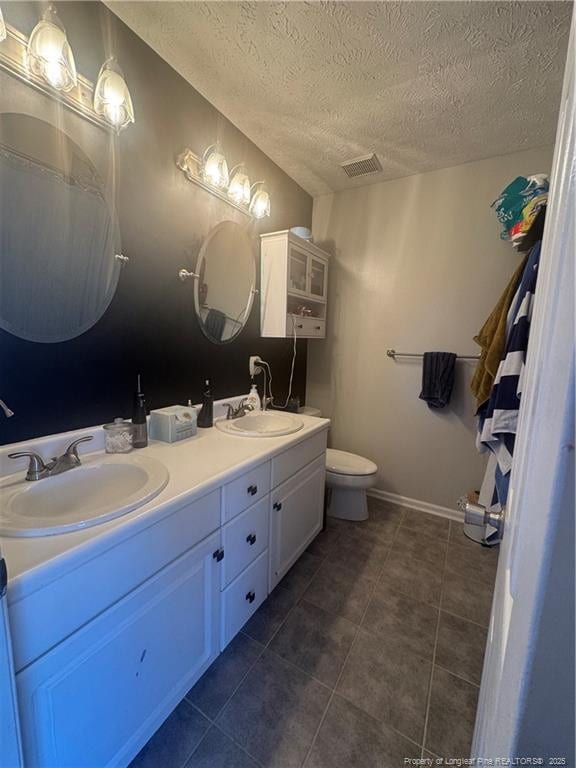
(437, 378)
(215, 323)
(492, 339)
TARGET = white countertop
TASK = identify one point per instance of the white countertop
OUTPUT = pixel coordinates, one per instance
(196, 466)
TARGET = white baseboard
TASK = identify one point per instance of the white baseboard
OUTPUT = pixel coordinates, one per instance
(422, 506)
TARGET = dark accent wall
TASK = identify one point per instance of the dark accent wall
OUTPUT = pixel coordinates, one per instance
(150, 326)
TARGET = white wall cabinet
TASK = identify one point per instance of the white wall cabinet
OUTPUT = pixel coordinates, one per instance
(293, 287)
(92, 694)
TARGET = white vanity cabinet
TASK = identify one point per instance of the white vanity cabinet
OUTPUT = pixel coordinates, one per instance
(107, 649)
(293, 287)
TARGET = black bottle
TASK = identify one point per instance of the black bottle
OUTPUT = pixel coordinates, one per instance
(140, 426)
(206, 415)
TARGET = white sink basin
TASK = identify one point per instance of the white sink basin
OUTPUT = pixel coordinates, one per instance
(101, 489)
(261, 424)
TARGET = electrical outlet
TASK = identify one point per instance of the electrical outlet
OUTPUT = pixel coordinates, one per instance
(253, 365)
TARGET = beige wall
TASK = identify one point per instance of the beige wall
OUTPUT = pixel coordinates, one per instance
(417, 265)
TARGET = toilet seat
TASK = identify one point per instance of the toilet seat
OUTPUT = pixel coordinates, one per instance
(344, 463)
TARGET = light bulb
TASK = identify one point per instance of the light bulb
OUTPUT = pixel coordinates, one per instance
(2, 27)
(111, 96)
(215, 168)
(239, 189)
(49, 54)
(260, 204)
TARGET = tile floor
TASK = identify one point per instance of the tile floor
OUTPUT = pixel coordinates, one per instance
(369, 651)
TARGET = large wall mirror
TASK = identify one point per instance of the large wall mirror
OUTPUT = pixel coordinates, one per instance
(224, 290)
(59, 234)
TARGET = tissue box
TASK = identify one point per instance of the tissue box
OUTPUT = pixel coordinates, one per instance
(176, 422)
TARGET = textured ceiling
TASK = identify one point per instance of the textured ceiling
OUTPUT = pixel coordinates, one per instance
(423, 84)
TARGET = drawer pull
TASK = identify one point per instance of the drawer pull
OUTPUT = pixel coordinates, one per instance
(277, 505)
(252, 490)
(218, 555)
(317, 327)
(300, 325)
(251, 539)
(251, 596)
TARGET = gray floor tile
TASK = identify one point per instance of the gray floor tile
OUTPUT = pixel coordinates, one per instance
(340, 591)
(175, 740)
(218, 683)
(269, 617)
(452, 713)
(387, 508)
(409, 543)
(414, 577)
(301, 574)
(275, 713)
(430, 525)
(349, 738)
(322, 543)
(315, 641)
(217, 751)
(469, 559)
(364, 556)
(468, 598)
(461, 647)
(388, 682)
(402, 620)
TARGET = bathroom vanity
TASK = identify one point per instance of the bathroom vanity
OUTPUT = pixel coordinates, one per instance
(112, 625)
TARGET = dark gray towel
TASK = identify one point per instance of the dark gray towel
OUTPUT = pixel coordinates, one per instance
(215, 323)
(437, 378)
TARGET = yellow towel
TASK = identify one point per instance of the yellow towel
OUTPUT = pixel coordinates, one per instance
(492, 339)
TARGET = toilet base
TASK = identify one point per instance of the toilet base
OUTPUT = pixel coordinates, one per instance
(348, 503)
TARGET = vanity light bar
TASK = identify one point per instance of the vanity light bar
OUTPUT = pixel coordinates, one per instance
(79, 99)
(193, 167)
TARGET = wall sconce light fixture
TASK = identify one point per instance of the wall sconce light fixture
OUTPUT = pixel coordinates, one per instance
(211, 173)
(45, 61)
(239, 187)
(2, 27)
(215, 167)
(260, 203)
(111, 97)
(49, 54)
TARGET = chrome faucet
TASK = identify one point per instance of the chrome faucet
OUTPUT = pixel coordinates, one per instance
(38, 470)
(241, 410)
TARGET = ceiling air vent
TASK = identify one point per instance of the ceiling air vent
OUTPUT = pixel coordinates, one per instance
(362, 166)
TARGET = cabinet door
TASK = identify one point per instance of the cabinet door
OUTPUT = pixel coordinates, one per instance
(296, 514)
(97, 697)
(318, 277)
(298, 271)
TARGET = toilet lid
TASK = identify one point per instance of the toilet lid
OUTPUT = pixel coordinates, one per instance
(344, 463)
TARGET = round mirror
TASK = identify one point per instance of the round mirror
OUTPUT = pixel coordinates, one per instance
(224, 290)
(58, 234)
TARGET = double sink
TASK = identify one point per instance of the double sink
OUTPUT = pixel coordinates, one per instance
(105, 487)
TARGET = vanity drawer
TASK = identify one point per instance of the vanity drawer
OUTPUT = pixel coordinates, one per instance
(241, 599)
(245, 490)
(306, 327)
(244, 539)
(291, 461)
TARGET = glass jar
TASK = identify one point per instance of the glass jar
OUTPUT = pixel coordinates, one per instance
(119, 436)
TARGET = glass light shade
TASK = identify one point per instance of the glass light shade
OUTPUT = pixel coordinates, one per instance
(260, 204)
(111, 96)
(49, 55)
(215, 169)
(2, 27)
(239, 188)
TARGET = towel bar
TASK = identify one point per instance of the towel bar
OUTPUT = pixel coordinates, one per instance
(393, 354)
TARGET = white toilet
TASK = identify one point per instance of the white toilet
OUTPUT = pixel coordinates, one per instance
(348, 477)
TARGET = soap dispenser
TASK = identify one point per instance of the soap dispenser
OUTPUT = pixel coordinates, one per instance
(206, 415)
(140, 426)
(253, 398)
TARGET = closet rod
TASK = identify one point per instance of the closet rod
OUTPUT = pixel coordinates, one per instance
(393, 354)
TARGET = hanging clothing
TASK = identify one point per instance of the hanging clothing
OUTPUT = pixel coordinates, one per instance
(492, 339)
(498, 418)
